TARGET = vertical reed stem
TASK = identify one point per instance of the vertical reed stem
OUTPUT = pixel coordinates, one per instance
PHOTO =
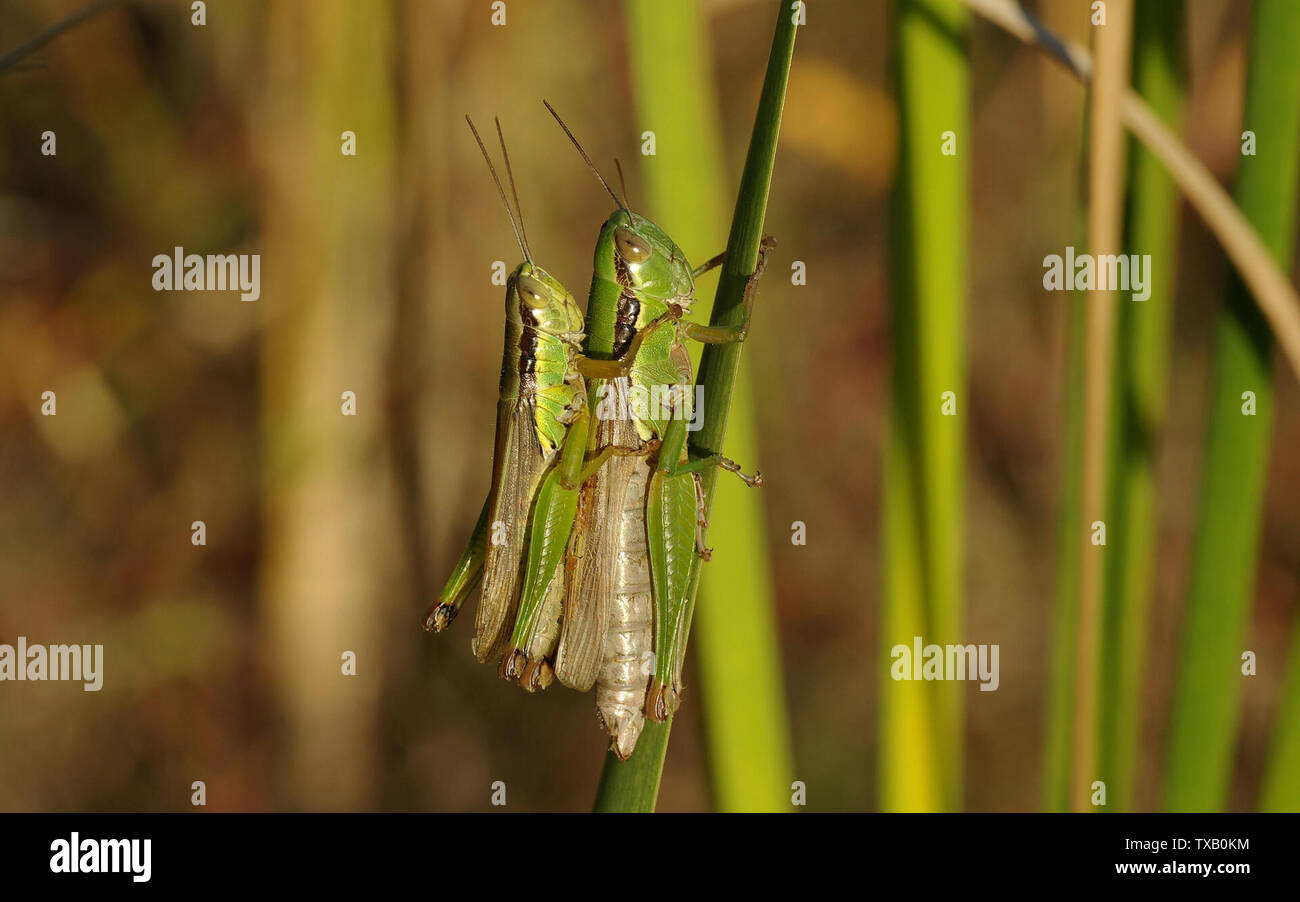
(1208, 689)
(920, 738)
(736, 652)
(1141, 376)
(633, 785)
(1281, 790)
(1105, 218)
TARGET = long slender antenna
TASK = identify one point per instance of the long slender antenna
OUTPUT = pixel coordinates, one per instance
(8, 59)
(622, 185)
(590, 164)
(519, 211)
(500, 190)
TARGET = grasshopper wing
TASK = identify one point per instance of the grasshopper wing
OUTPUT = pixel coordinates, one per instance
(591, 571)
(517, 468)
(591, 566)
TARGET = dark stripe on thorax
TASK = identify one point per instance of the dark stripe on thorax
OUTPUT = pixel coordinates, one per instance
(629, 308)
(527, 347)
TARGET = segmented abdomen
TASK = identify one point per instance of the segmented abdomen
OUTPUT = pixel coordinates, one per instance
(625, 667)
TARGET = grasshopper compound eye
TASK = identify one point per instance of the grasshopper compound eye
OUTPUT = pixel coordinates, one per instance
(531, 291)
(631, 246)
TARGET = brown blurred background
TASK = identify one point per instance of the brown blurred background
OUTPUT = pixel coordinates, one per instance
(328, 533)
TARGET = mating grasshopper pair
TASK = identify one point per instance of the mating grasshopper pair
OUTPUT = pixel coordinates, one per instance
(586, 540)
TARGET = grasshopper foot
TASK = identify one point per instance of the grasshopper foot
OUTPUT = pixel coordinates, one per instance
(661, 701)
(537, 675)
(512, 664)
(765, 248)
(732, 467)
(440, 617)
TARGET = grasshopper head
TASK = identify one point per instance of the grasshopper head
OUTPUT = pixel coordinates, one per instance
(539, 300)
(636, 253)
(632, 251)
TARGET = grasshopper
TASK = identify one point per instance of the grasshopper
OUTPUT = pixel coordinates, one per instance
(538, 464)
(640, 518)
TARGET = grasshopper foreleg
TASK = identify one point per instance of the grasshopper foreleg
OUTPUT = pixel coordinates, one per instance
(720, 335)
(712, 263)
(591, 368)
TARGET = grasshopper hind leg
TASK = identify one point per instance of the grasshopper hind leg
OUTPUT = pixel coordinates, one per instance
(538, 675)
(535, 636)
(464, 579)
(440, 616)
(662, 701)
(531, 663)
(512, 664)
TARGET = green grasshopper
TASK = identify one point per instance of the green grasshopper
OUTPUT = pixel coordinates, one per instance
(538, 464)
(638, 526)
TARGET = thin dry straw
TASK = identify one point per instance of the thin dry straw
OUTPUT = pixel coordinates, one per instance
(1273, 292)
(1105, 217)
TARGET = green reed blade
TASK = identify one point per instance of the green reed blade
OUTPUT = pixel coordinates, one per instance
(1207, 692)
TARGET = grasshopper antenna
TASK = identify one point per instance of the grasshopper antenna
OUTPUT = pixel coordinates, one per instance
(622, 185)
(519, 211)
(590, 164)
(500, 190)
(8, 59)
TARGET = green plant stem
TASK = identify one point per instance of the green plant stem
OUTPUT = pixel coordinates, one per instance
(1141, 382)
(1281, 790)
(1208, 687)
(736, 653)
(920, 738)
(633, 785)
(1057, 771)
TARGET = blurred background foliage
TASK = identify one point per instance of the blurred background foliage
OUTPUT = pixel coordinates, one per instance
(328, 533)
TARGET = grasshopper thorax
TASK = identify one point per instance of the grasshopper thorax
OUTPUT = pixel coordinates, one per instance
(638, 255)
(537, 300)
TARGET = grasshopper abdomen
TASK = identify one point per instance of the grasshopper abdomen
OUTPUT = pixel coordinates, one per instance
(625, 667)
